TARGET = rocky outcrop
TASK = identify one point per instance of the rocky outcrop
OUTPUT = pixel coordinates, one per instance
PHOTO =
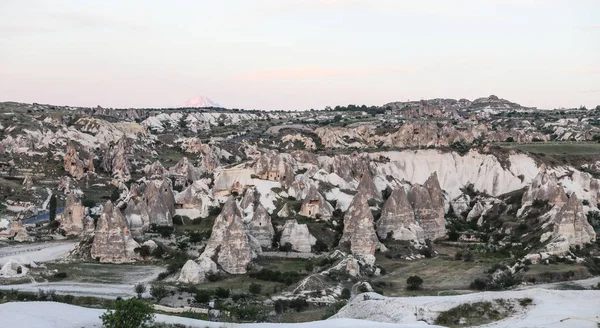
(13, 230)
(197, 197)
(112, 240)
(27, 182)
(359, 229)
(137, 216)
(73, 221)
(298, 236)
(155, 171)
(13, 269)
(428, 203)
(276, 167)
(249, 200)
(545, 187)
(115, 160)
(571, 225)
(64, 184)
(286, 211)
(314, 205)
(73, 164)
(398, 218)
(261, 228)
(184, 172)
(194, 272)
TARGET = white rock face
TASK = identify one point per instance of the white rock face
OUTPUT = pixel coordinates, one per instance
(298, 236)
(194, 272)
(286, 211)
(13, 269)
(314, 205)
(196, 197)
(571, 225)
(545, 188)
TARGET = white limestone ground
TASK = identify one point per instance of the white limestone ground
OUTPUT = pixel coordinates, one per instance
(42, 252)
(550, 308)
(59, 315)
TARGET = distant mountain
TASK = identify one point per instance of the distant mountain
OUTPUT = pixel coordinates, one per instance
(199, 102)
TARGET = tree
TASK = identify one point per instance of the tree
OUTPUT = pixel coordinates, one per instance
(52, 208)
(131, 313)
(287, 247)
(158, 291)
(255, 288)
(202, 296)
(346, 293)
(221, 292)
(140, 289)
(414, 282)
(510, 139)
(115, 195)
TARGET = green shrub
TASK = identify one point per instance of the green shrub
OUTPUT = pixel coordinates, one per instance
(131, 313)
(255, 288)
(414, 283)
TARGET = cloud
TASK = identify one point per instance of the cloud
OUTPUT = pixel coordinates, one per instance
(19, 29)
(308, 73)
(590, 91)
(590, 27)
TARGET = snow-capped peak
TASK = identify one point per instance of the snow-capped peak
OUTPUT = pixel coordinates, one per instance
(199, 102)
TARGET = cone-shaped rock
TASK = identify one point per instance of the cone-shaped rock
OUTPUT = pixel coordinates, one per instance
(298, 236)
(428, 203)
(571, 223)
(367, 186)
(235, 253)
(260, 227)
(72, 220)
(398, 218)
(545, 187)
(359, 230)
(315, 204)
(112, 240)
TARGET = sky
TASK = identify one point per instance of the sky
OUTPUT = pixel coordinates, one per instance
(299, 54)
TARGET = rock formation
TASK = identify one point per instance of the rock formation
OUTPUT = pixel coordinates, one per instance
(359, 229)
(428, 203)
(115, 159)
(286, 211)
(196, 197)
(398, 218)
(229, 240)
(184, 172)
(314, 204)
(194, 272)
(13, 269)
(137, 216)
(72, 164)
(112, 240)
(235, 253)
(367, 186)
(298, 236)
(545, 187)
(155, 171)
(571, 224)
(260, 227)
(161, 202)
(73, 221)
(276, 167)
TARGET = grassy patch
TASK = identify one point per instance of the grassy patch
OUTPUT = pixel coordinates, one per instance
(474, 314)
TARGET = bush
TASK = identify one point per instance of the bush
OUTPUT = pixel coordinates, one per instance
(510, 139)
(221, 292)
(320, 246)
(346, 293)
(131, 313)
(414, 282)
(453, 235)
(478, 284)
(298, 304)
(139, 289)
(202, 296)
(60, 275)
(287, 247)
(255, 288)
(159, 291)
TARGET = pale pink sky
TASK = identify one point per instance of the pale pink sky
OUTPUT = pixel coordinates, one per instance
(299, 54)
